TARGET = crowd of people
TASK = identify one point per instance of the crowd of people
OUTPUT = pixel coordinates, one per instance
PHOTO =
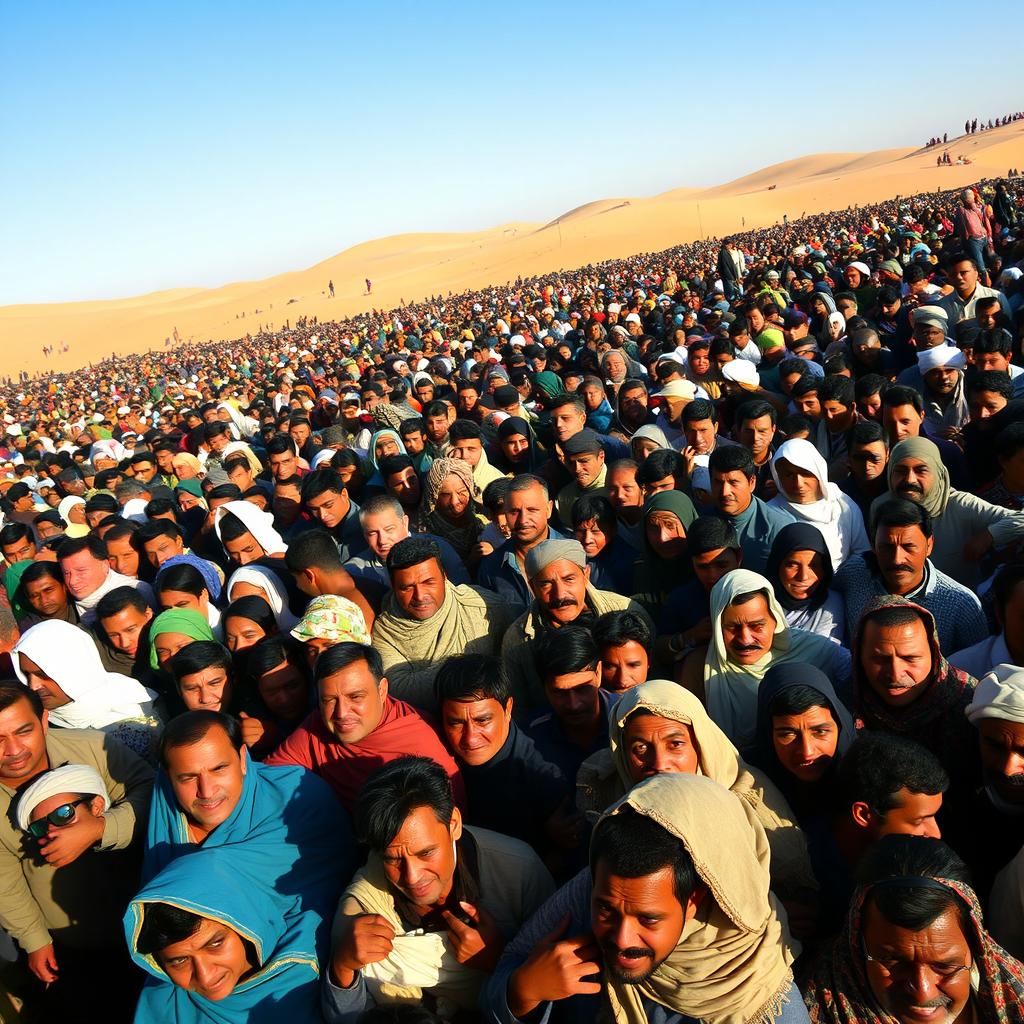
(643, 642)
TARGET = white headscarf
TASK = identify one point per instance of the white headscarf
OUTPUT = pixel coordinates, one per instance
(840, 521)
(69, 657)
(259, 523)
(68, 778)
(273, 590)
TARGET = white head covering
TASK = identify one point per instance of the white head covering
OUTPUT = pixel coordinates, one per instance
(323, 456)
(941, 355)
(66, 505)
(741, 371)
(233, 447)
(108, 449)
(862, 267)
(69, 657)
(273, 590)
(237, 424)
(259, 523)
(68, 778)
(1000, 694)
(135, 510)
(838, 318)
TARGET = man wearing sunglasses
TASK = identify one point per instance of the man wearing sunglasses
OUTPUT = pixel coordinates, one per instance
(64, 888)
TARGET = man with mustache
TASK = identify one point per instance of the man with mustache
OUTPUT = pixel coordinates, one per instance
(965, 528)
(425, 619)
(562, 594)
(898, 564)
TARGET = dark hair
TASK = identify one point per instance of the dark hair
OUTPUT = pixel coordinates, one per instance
(184, 578)
(313, 549)
(321, 481)
(232, 492)
(794, 423)
(1005, 583)
(896, 394)
(437, 407)
(754, 410)
(594, 506)
(732, 458)
(1009, 441)
(909, 904)
(616, 629)
(279, 444)
(117, 600)
(159, 507)
(892, 616)
(97, 503)
(231, 527)
(289, 481)
(391, 794)
(838, 389)
(793, 364)
(993, 339)
(559, 652)
(868, 432)
(198, 656)
(237, 460)
(413, 551)
(470, 677)
(900, 512)
(12, 533)
(12, 691)
(710, 533)
(631, 845)
(795, 700)
(524, 481)
(340, 656)
(495, 493)
(215, 429)
(699, 409)
(996, 381)
(869, 384)
(391, 464)
(462, 430)
(343, 458)
(662, 462)
(37, 570)
(164, 925)
(159, 528)
(252, 607)
(70, 546)
(410, 426)
(807, 385)
(878, 765)
(265, 655)
(124, 529)
(191, 726)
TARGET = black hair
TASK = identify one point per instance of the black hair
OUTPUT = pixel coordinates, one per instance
(313, 549)
(159, 507)
(70, 546)
(98, 503)
(662, 462)
(793, 364)
(37, 570)
(616, 629)
(838, 389)
(413, 551)
(568, 398)
(231, 527)
(699, 409)
(252, 607)
(182, 577)
(12, 691)
(807, 385)
(279, 444)
(495, 493)
(164, 925)
(732, 458)
(897, 394)
(198, 656)
(265, 655)
(13, 533)
(410, 426)
(1009, 440)
(391, 794)
(892, 616)
(994, 339)
(754, 410)
(117, 600)
(868, 432)
(559, 652)
(900, 512)
(470, 677)
(343, 458)
(794, 423)
(1005, 583)
(869, 384)
(340, 656)
(124, 529)
(232, 492)
(878, 765)
(321, 481)
(594, 506)
(214, 429)
(710, 533)
(631, 845)
(462, 430)
(392, 464)
(159, 528)
(996, 381)
(289, 481)
(191, 726)
(795, 700)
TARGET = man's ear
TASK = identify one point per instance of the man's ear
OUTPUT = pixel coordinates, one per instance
(455, 825)
(697, 897)
(863, 816)
(382, 689)
(96, 806)
(586, 573)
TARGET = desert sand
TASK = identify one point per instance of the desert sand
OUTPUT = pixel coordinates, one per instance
(412, 266)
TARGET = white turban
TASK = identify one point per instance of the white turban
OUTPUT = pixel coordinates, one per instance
(941, 355)
(741, 371)
(69, 778)
(1000, 694)
(862, 267)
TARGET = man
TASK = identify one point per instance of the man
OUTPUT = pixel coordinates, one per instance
(462, 903)
(425, 620)
(124, 550)
(315, 564)
(527, 512)
(868, 457)
(756, 524)
(903, 416)
(17, 543)
(661, 901)
(401, 481)
(627, 499)
(358, 725)
(560, 583)
(1007, 646)
(965, 528)
(903, 685)
(325, 498)
(88, 576)
(280, 822)
(898, 564)
(1007, 488)
(281, 458)
(160, 540)
(915, 902)
(631, 406)
(755, 426)
(700, 430)
(122, 635)
(993, 350)
(384, 523)
(65, 892)
(959, 304)
(467, 443)
(584, 458)
(286, 504)
(942, 389)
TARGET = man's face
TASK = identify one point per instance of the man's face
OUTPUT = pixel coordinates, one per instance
(219, 442)
(476, 729)
(283, 465)
(287, 503)
(985, 404)
(1002, 757)
(808, 404)
(414, 442)
(623, 490)
(902, 552)
(46, 596)
(161, 548)
(437, 428)
(654, 745)
(469, 449)
(20, 551)
(210, 962)
(561, 590)
(383, 531)
(987, 315)
(592, 537)
(574, 696)
(901, 422)
(47, 689)
(329, 508)
(896, 661)
(244, 549)
(637, 922)
(126, 629)
(805, 744)
(797, 484)
(912, 478)
(527, 513)
(83, 574)
(420, 589)
(624, 666)
(467, 400)
(352, 702)
(912, 973)
(965, 278)
(585, 467)
(700, 361)
(700, 435)
(419, 862)
(165, 460)
(385, 446)
(207, 778)
(732, 491)
(371, 400)
(567, 421)
(838, 417)
(210, 689)
(870, 407)
(22, 743)
(868, 461)
(942, 380)
(710, 566)
(748, 630)
(757, 435)
(144, 471)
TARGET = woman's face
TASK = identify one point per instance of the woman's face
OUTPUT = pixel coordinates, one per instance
(187, 501)
(800, 486)
(654, 745)
(700, 362)
(805, 744)
(167, 646)
(515, 447)
(245, 589)
(642, 447)
(800, 573)
(182, 599)
(285, 691)
(666, 534)
(385, 447)
(453, 498)
(240, 633)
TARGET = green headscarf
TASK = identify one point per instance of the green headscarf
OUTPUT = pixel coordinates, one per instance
(177, 620)
(660, 574)
(549, 383)
(192, 487)
(12, 584)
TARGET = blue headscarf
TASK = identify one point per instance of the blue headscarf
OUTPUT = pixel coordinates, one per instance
(285, 984)
(376, 480)
(287, 829)
(205, 569)
(600, 419)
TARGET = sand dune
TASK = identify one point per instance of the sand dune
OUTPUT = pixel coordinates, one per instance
(413, 265)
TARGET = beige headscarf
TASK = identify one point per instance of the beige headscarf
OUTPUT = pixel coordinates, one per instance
(732, 962)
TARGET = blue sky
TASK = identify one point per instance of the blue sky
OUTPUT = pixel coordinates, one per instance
(153, 146)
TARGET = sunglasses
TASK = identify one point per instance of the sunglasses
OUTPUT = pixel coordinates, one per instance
(60, 817)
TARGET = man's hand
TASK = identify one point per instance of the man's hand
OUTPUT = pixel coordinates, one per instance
(367, 940)
(555, 970)
(478, 945)
(482, 549)
(697, 634)
(43, 964)
(252, 729)
(62, 846)
(978, 546)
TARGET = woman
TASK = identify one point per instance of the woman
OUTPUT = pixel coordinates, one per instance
(249, 530)
(248, 954)
(279, 675)
(247, 621)
(515, 450)
(383, 444)
(448, 509)
(800, 568)
(181, 583)
(259, 581)
(699, 370)
(171, 631)
(666, 564)
(72, 511)
(803, 731)
(807, 494)
(187, 468)
(62, 665)
(547, 385)
(657, 728)
(647, 439)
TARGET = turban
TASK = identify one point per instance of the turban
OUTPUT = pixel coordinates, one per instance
(678, 389)
(741, 371)
(69, 778)
(331, 617)
(934, 315)
(541, 556)
(941, 355)
(1000, 694)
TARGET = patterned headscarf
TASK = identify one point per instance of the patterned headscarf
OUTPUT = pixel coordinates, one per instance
(462, 536)
(330, 617)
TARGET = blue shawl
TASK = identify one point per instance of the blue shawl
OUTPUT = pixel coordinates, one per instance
(285, 985)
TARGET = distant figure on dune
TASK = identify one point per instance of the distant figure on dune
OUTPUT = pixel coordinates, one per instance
(330, 288)
(369, 286)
